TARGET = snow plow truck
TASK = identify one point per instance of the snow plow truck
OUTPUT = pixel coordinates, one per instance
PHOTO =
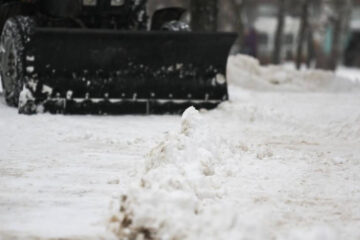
(107, 57)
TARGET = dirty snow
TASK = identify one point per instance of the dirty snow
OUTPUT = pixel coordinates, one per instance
(281, 160)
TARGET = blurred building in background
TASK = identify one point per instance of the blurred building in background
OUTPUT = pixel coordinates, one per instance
(352, 49)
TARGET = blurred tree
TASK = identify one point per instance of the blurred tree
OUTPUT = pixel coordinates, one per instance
(239, 6)
(310, 48)
(302, 32)
(330, 31)
(342, 10)
(336, 20)
(227, 16)
(279, 32)
(204, 15)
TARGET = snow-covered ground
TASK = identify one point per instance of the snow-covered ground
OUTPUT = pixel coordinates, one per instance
(281, 160)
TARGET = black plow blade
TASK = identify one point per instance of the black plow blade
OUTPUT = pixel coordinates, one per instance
(116, 72)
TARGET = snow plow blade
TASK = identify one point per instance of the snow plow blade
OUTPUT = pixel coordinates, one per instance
(79, 71)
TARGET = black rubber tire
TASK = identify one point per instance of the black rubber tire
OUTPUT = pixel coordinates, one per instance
(12, 56)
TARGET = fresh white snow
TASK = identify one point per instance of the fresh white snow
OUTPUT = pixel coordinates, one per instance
(351, 73)
(281, 160)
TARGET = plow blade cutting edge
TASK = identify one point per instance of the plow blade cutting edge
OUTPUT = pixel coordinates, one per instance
(117, 72)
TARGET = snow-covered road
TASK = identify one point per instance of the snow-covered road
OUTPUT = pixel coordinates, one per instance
(292, 161)
(58, 173)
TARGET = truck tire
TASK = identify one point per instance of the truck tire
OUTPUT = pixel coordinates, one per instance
(12, 56)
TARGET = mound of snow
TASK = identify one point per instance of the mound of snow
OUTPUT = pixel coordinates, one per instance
(180, 190)
(185, 191)
(246, 72)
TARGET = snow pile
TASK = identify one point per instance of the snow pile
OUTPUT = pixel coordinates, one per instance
(195, 185)
(246, 72)
(180, 191)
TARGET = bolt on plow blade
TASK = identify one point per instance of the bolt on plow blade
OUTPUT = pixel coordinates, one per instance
(118, 72)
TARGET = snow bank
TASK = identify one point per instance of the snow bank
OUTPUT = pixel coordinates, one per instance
(246, 72)
(180, 190)
(351, 73)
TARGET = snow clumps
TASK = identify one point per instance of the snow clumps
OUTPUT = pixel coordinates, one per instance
(179, 192)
